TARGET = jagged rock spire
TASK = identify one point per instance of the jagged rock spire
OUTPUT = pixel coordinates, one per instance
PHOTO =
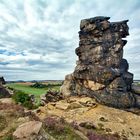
(101, 71)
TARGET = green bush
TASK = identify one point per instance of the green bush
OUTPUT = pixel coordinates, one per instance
(10, 88)
(38, 85)
(20, 97)
(49, 85)
(23, 98)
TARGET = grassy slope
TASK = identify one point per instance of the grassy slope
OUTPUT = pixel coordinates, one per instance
(30, 90)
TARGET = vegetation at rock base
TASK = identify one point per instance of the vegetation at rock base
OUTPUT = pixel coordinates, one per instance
(9, 114)
(23, 98)
(95, 136)
(26, 89)
(59, 129)
(54, 126)
(35, 89)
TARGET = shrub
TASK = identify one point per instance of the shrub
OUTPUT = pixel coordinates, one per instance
(49, 85)
(53, 124)
(59, 129)
(23, 98)
(94, 136)
(38, 85)
(10, 88)
(20, 96)
(50, 123)
(28, 104)
(6, 106)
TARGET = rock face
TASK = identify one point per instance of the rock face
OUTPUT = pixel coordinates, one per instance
(101, 70)
(4, 93)
(2, 81)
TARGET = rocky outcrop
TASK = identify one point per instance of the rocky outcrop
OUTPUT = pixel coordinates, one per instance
(2, 81)
(4, 93)
(50, 96)
(94, 117)
(101, 71)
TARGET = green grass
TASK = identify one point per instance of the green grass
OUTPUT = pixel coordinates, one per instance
(25, 88)
(31, 90)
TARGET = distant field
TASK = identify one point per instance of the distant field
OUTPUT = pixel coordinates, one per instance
(25, 87)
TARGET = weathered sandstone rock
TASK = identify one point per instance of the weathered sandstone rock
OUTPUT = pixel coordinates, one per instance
(101, 118)
(28, 131)
(50, 96)
(101, 71)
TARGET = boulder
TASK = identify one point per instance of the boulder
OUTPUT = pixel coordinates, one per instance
(62, 105)
(28, 131)
(4, 93)
(50, 96)
(67, 86)
(75, 105)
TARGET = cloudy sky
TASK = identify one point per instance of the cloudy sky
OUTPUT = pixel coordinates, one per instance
(38, 37)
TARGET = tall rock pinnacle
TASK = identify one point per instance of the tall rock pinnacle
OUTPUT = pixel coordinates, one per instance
(101, 71)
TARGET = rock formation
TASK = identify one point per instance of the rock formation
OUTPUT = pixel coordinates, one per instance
(85, 114)
(50, 96)
(4, 93)
(101, 71)
(2, 81)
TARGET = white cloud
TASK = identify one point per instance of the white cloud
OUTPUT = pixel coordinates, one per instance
(38, 37)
